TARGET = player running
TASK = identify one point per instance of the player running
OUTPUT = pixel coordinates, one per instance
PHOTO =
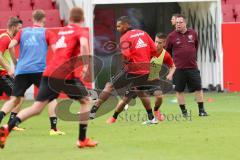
(137, 49)
(7, 66)
(59, 76)
(154, 82)
(34, 43)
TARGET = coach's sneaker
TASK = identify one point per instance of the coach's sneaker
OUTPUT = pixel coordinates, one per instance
(149, 122)
(86, 143)
(203, 113)
(111, 120)
(16, 128)
(159, 116)
(3, 135)
(53, 132)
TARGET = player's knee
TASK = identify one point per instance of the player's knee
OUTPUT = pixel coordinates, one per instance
(16, 100)
(158, 94)
(85, 100)
(108, 87)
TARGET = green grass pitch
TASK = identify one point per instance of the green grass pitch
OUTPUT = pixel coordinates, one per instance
(216, 137)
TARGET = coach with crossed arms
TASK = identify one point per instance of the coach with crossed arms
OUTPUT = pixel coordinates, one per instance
(182, 43)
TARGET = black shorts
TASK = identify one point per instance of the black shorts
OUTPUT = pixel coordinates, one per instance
(124, 81)
(23, 81)
(124, 78)
(189, 77)
(6, 85)
(151, 86)
(50, 88)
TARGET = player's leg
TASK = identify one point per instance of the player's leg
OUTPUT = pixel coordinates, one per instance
(104, 95)
(145, 98)
(155, 90)
(158, 102)
(36, 80)
(83, 141)
(118, 81)
(14, 113)
(21, 84)
(23, 115)
(15, 110)
(53, 119)
(119, 108)
(45, 95)
(76, 90)
(9, 105)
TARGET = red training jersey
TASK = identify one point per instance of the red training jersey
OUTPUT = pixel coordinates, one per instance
(5, 40)
(137, 49)
(167, 59)
(67, 55)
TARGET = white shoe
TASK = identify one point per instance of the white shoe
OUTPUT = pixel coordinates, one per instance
(149, 122)
(126, 107)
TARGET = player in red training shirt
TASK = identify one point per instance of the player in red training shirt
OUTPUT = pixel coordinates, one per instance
(154, 85)
(137, 49)
(7, 65)
(72, 43)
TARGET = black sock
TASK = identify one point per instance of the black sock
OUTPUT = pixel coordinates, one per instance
(150, 114)
(156, 108)
(94, 109)
(82, 132)
(15, 122)
(200, 106)
(183, 108)
(12, 116)
(2, 115)
(53, 121)
(115, 115)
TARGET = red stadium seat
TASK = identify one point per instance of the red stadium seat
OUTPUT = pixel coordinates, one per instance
(5, 5)
(233, 2)
(19, 5)
(53, 18)
(26, 17)
(237, 11)
(228, 12)
(4, 16)
(224, 1)
(46, 5)
(228, 18)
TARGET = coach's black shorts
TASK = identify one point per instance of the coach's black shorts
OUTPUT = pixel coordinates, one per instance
(50, 88)
(6, 85)
(23, 81)
(189, 77)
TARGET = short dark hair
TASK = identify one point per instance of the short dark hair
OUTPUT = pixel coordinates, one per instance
(161, 35)
(13, 22)
(176, 14)
(38, 15)
(182, 16)
(77, 14)
(124, 19)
